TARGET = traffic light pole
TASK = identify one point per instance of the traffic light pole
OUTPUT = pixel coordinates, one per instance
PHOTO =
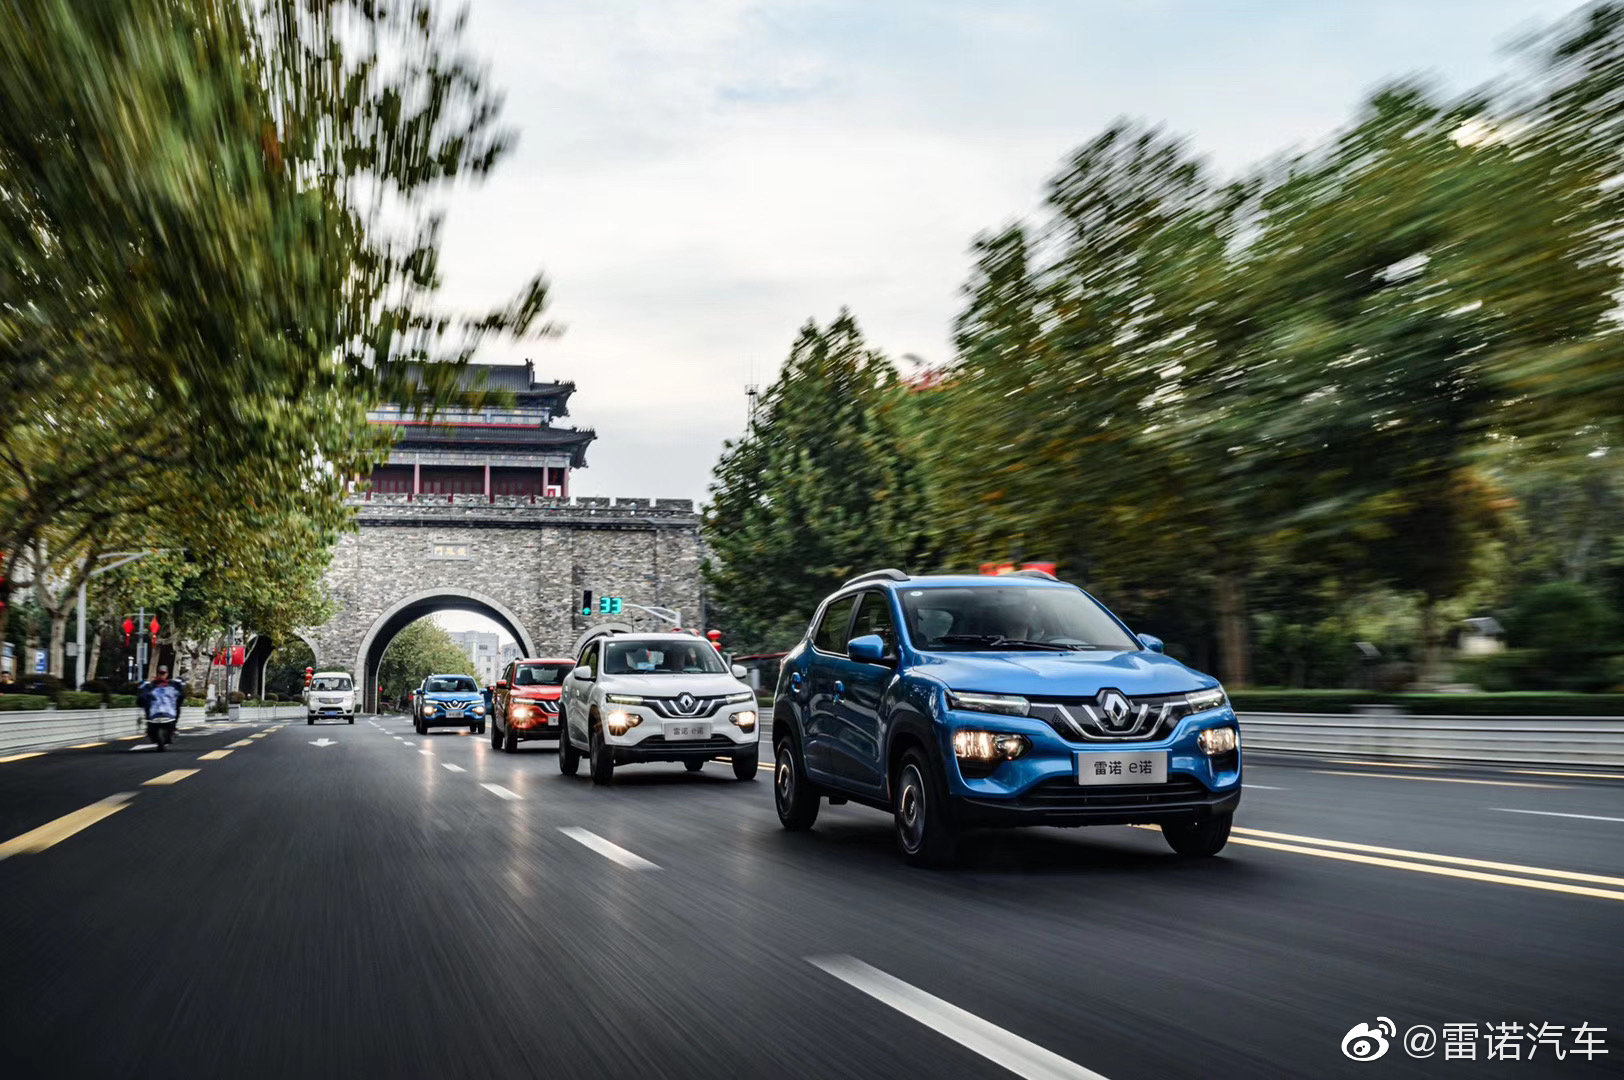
(124, 558)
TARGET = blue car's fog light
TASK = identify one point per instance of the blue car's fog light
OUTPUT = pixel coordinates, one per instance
(988, 746)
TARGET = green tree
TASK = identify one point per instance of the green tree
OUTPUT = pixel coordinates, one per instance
(820, 488)
(219, 244)
(420, 650)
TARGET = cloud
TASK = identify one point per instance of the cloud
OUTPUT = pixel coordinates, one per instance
(699, 178)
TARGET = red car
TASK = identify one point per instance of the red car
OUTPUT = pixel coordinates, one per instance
(524, 701)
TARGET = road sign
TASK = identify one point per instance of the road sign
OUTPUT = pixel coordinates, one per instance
(322, 742)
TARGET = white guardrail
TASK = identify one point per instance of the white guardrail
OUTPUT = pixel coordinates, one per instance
(1595, 741)
(50, 727)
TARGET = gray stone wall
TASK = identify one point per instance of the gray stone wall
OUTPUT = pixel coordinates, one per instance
(517, 560)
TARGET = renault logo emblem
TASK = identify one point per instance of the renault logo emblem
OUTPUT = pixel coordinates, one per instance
(686, 703)
(1115, 708)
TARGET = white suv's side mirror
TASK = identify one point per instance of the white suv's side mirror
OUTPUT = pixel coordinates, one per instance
(583, 673)
(741, 672)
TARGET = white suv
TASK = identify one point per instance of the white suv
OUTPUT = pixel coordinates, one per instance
(655, 697)
(331, 693)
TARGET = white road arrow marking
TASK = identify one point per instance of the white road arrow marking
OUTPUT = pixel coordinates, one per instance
(322, 742)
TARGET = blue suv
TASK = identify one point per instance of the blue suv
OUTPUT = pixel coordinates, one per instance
(956, 702)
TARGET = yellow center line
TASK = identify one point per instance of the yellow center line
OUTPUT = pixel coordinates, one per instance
(127, 738)
(1454, 860)
(213, 755)
(239, 743)
(54, 832)
(174, 776)
(1441, 871)
(1436, 779)
(23, 757)
(85, 745)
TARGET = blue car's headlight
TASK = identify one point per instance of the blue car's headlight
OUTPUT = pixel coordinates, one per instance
(1002, 704)
(1202, 700)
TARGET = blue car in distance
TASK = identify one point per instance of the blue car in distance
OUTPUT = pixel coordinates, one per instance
(449, 701)
(958, 701)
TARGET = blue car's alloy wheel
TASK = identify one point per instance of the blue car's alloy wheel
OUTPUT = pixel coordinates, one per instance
(927, 830)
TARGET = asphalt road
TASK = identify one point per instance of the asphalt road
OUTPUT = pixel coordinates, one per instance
(390, 905)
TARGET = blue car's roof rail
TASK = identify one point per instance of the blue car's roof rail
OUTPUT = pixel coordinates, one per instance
(888, 574)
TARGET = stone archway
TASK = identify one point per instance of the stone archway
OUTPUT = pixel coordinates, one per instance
(409, 609)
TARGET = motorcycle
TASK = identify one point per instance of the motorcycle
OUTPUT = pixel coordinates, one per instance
(161, 730)
(164, 695)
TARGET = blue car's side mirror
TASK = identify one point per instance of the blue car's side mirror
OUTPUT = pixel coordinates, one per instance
(867, 649)
(1152, 642)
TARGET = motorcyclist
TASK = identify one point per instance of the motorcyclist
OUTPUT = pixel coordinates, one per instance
(160, 699)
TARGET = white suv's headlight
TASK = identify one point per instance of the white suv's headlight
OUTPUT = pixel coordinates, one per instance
(623, 699)
(1004, 704)
(1202, 700)
(745, 719)
(742, 698)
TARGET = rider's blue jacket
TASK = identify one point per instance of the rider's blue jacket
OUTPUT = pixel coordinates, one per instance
(161, 700)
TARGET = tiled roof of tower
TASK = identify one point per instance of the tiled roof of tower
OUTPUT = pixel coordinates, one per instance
(519, 380)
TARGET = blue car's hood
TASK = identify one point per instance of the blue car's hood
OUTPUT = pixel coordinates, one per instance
(1057, 674)
(453, 695)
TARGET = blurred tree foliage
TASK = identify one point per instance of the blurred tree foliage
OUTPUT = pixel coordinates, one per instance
(1381, 374)
(219, 238)
(422, 649)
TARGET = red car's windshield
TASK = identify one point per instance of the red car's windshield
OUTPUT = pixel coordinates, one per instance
(540, 674)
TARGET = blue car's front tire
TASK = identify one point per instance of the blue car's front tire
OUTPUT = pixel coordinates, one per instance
(1199, 838)
(927, 827)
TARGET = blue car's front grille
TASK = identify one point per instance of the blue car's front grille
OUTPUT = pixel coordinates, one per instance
(1070, 795)
(1146, 717)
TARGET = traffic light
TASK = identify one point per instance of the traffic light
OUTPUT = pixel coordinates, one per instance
(611, 605)
(586, 602)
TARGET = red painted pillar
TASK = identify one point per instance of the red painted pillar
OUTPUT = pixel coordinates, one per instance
(564, 488)
(488, 493)
(417, 480)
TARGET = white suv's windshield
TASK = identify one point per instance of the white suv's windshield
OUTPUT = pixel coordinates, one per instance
(452, 684)
(331, 682)
(1009, 617)
(661, 658)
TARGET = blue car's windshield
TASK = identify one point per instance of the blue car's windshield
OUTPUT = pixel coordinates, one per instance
(1009, 616)
(451, 684)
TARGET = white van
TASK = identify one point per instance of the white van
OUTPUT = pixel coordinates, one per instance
(331, 694)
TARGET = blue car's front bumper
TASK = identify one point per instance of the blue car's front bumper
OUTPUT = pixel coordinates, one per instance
(1041, 788)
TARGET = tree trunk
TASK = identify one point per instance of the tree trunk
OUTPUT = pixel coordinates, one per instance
(1232, 636)
(59, 633)
(93, 661)
(1431, 673)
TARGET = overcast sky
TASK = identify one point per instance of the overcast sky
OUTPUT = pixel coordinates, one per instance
(700, 178)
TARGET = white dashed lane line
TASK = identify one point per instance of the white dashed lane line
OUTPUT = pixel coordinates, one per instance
(1003, 1048)
(1553, 813)
(498, 789)
(611, 851)
(453, 768)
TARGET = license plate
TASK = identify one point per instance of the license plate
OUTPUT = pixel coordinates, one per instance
(674, 732)
(1140, 767)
